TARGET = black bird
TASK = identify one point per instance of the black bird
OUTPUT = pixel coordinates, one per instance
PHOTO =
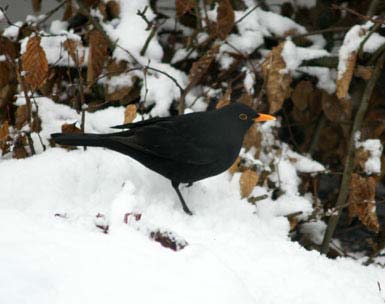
(184, 148)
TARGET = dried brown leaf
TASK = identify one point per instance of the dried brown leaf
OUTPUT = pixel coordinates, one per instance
(362, 201)
(70, 128)
(4, 136)
(302, 94)
(363, 72)
(36, 5)
(97, 55)
(129, 113)
(21, 116)
(19, 150)
(225, 19)
(75, 50)
(225, 100)
(336, 110)
(69, 10)
(113, 9)
(343, 81)
(200, 68)
(234, 166)
(184, 6)
(360, 158)
(253, 138)
(249, 178)
(4, 73)
(8, 48)
(277, 83)
(34, 63)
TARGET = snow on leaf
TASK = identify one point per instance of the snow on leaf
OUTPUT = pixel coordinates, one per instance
(343, 81)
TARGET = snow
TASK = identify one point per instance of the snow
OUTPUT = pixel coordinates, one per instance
(314, 230)
(352, 42)
(12, 31)
(2, 17)
(162, 91)
(374, 146)
(293, 55)
(236, 252)
(233, 256)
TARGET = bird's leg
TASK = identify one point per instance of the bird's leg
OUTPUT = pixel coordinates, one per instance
(185, 208)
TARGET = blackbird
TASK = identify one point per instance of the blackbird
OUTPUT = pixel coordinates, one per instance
(184, 148)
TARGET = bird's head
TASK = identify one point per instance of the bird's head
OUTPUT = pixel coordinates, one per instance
(245, 116)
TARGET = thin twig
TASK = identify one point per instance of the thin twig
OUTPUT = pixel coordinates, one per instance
(247, 14)
(51, 12)
(357, 14)
(324, 31)
(349, 163)
(372, 30)
(316, 134)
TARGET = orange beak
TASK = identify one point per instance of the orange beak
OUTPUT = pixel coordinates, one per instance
(264, 117)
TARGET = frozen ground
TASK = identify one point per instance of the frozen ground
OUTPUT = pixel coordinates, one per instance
(236, 253)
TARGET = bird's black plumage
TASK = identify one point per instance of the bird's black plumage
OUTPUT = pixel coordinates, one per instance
(184, 148)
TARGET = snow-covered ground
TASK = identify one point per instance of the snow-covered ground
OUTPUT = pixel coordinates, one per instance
(52, 251)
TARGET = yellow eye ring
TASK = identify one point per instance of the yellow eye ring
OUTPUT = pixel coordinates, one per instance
(242, 116)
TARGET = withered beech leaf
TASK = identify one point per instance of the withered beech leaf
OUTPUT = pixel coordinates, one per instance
(253, 138)
(97, 56)
(336, 110)
(360, 158)
(36, 5)
(249, 178)
(225, 19)
(70, 128)
(4, 73)
(363, 72)
(69, 10)
(302, 94)
(183, 6)
(225, 100)
(129, 113)
(4, 135)
(343, 81)
(113, 9)
(200, 68)
(75, 50)
(362, 202)
(19, 150)
(21, 116)
(234, 166)
(277, 83)
(34, 63)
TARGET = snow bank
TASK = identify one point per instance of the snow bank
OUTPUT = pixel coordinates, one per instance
(52, 252)
(234, 254)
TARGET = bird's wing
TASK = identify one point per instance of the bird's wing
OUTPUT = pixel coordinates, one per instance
(171, 141)
(143, 123)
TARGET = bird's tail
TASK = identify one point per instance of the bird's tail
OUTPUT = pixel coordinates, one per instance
(86, 139)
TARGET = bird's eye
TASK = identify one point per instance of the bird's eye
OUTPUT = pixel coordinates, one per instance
(242, 116)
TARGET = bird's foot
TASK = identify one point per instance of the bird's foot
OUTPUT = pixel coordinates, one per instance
(189, 185)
